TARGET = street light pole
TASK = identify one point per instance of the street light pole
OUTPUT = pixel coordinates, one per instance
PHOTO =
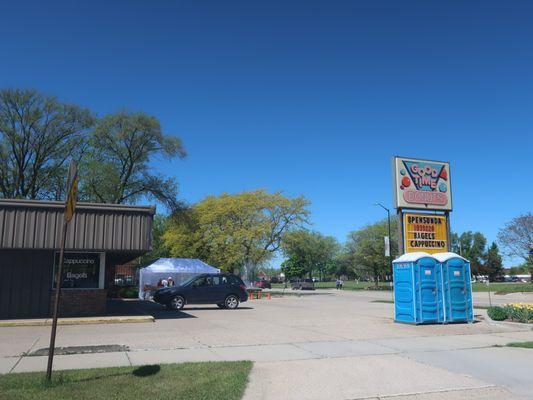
(390, 239)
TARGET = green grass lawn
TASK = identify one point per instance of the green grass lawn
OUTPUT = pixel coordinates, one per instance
(525, 345)
(502, 287)
(348, 285)
(188, 381)
(476, 287)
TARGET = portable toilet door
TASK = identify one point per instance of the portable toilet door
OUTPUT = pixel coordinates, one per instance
(404, 289)
(417, 298)
(430, 301)
(457, 287)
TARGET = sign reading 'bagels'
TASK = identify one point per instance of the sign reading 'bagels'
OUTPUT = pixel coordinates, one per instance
(425, 232)
(422, 184)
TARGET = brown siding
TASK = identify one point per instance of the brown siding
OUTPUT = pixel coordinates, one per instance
(29, 224)
(25, 283)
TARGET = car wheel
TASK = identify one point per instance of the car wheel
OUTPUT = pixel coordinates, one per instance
(177, 303)
(221, 305)
(231, 302)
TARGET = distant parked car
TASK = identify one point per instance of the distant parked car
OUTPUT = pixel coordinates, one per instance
(224, 290)
(263, 284)
(303, 284)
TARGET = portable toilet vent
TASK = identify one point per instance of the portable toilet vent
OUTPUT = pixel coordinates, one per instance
(417, 289)
(456, 287)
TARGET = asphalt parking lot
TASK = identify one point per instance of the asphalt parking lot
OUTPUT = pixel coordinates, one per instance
(340, 345)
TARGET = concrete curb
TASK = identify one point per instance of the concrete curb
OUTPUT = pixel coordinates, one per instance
(78, 321)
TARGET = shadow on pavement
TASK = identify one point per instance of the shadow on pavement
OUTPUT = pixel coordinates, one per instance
(142, 307)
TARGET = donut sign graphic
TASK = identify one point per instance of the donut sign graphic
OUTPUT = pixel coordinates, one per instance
(422, 184)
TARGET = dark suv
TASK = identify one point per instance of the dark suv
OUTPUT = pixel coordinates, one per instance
(226, 291)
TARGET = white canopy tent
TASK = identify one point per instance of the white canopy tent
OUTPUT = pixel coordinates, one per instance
(179, 269)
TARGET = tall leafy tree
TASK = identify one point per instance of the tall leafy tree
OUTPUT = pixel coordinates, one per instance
(117, 168)
(235, 231)
(159, 250)
(38, 136)
(293, 268)
(493, 266)
(516, 238)
(365, 250)
(472, 246)
(311, 251)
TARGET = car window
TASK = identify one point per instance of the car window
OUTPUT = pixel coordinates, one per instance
(216, 280)
(203, 281)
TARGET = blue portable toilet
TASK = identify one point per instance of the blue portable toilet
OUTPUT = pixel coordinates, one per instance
(418, 298)
(456, 287)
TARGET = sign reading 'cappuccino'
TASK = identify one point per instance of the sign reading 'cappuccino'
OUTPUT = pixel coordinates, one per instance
(424, 232)
(80, 270)
(422, 184)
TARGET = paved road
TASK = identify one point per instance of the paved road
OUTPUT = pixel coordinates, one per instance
(339, 345)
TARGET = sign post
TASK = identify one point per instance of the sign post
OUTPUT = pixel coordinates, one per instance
(70, 206)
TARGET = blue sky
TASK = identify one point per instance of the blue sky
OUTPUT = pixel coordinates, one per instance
(310, 97)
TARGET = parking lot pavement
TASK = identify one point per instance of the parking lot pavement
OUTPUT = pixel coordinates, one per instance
(307, 338)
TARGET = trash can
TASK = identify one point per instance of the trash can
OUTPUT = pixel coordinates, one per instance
(457, 287)
(418, 297)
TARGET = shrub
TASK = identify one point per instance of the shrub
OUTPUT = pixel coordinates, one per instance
(128, 292)
(497, 313)
(520, 312)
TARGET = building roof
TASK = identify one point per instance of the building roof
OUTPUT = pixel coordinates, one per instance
(35, 224)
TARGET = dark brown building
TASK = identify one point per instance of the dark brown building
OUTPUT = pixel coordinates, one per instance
(99, 237)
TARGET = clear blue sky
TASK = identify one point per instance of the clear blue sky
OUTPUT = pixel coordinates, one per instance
(308, 97)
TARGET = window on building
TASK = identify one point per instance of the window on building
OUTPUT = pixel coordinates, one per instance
(80, 270)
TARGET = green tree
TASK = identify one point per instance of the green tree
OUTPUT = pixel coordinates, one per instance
(293, 268)
(311, 251)
(516, 238)
(340, 266)
(493, 266)
(38, 137)
(117, 168)
(365, 250)
(159, 250)
(472, 246)
(235, 231)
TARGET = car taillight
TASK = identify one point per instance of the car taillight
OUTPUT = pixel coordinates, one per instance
(243, 287)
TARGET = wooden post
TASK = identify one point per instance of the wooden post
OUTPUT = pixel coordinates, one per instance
(59, 278)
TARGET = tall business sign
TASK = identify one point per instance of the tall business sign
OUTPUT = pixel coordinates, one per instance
(423, 199)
